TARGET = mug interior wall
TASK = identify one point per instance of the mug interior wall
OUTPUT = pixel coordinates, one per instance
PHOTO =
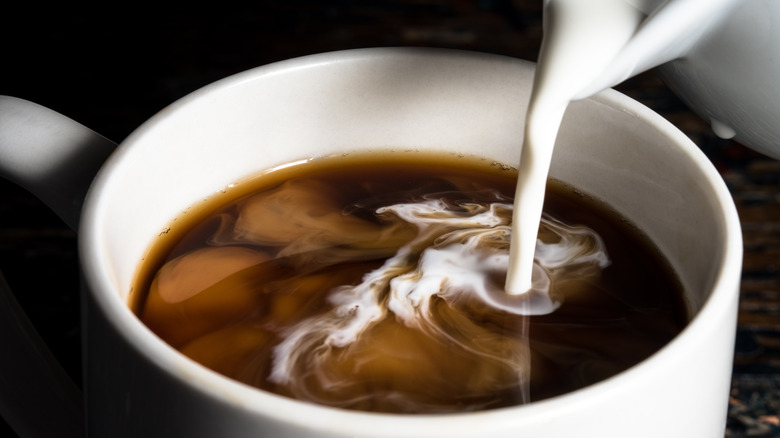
(295, 110)
(292, 111)
(637, 166)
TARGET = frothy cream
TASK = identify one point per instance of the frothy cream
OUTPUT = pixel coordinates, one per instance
(456, 262)
(581, 39)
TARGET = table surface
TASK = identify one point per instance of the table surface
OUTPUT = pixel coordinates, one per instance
(111, 70)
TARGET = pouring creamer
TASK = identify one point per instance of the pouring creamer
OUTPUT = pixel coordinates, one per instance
(589, 46)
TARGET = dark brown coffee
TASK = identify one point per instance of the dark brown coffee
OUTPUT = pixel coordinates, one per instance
(374, 282)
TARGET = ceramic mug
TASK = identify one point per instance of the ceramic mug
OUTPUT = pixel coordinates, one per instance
(419, 99)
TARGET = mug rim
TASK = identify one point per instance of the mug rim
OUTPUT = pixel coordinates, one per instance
(253, 400)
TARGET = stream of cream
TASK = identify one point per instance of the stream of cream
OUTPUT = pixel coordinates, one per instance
(580, 40)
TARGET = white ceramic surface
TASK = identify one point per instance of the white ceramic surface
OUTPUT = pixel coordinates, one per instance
(670, 30)
(402, 99)
(721, 57)
(732, 77)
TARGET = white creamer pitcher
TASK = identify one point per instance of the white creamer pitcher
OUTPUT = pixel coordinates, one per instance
(721, 57)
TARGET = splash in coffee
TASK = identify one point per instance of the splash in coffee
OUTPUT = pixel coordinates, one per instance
(376, 283)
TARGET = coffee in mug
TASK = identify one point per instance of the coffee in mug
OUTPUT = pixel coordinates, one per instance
(375, 282)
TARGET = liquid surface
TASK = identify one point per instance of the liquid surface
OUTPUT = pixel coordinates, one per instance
(376, 283)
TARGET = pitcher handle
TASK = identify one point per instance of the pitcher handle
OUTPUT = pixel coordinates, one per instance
(55, 159)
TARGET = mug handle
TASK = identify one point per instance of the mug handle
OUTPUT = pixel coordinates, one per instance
(55, 158)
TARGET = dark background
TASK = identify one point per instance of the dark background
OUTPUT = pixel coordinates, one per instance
(112, 67)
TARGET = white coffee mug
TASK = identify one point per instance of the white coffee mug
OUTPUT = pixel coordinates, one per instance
(400, 99)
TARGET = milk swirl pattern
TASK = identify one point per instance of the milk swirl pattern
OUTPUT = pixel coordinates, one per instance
(457, 254)
(381, 289)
